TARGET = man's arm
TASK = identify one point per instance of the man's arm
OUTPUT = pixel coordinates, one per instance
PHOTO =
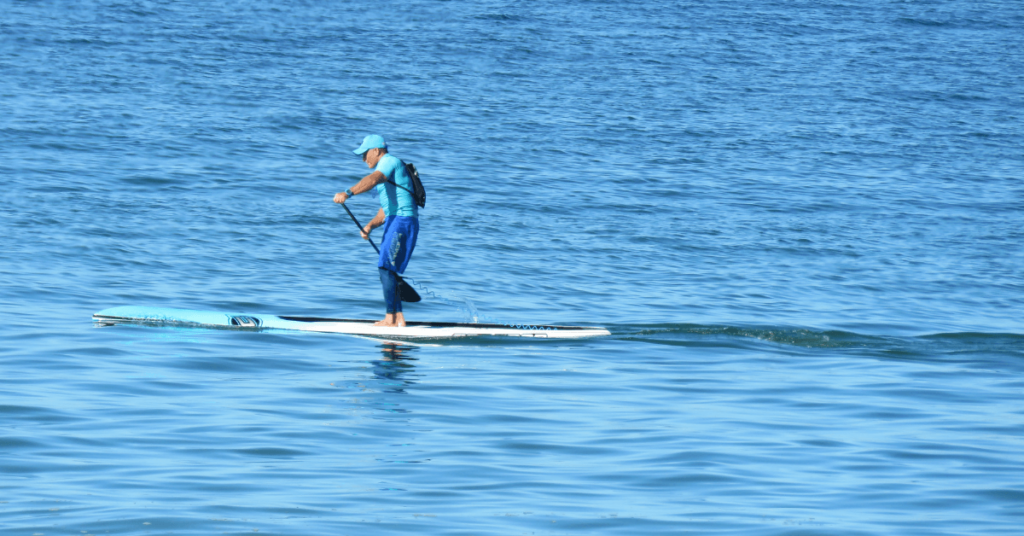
(376, 222)
(365, 185)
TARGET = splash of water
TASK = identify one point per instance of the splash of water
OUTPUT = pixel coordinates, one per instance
(468, 308)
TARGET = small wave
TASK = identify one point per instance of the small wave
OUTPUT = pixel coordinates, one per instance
(503, 17)
(932, 344)
(923, 22)
(803, 337)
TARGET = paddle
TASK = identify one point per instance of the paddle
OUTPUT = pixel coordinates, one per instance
(405, 292)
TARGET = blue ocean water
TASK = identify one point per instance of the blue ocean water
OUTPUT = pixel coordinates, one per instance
(802, 222)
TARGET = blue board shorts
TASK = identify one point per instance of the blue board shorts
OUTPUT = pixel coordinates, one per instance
(399, 240)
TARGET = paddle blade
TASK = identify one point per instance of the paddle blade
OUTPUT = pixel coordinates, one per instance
(406, 293)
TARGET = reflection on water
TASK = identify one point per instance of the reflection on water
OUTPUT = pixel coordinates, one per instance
(395, 369)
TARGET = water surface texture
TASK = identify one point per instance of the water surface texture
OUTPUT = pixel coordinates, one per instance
(803, 223)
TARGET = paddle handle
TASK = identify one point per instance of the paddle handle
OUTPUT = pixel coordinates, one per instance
(355, 221)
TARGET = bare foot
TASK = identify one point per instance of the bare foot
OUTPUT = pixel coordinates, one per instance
(399, 320)
(388, 322)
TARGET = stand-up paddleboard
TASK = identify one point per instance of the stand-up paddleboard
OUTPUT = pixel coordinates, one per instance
(414, 330)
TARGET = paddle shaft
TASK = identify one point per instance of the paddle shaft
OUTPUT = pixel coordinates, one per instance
(405, 291)
(355, 221)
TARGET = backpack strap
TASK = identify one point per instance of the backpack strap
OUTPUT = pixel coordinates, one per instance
(403, 187)
(414, 178)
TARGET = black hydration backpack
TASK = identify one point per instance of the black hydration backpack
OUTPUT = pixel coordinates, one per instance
(419, 195)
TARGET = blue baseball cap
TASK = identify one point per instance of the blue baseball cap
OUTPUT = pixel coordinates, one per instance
(372, 141)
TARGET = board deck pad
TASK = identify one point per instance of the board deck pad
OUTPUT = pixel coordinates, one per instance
(413, 330)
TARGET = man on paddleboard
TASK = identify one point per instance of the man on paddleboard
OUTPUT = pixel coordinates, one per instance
(397, 214)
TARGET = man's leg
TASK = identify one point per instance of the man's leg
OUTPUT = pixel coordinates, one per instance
(395, 249)
(389, 283)
(409, 229)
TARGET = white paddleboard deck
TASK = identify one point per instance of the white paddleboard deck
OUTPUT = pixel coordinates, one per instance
(414, 330)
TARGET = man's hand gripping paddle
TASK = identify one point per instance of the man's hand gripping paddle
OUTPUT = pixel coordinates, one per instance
(405, 291)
